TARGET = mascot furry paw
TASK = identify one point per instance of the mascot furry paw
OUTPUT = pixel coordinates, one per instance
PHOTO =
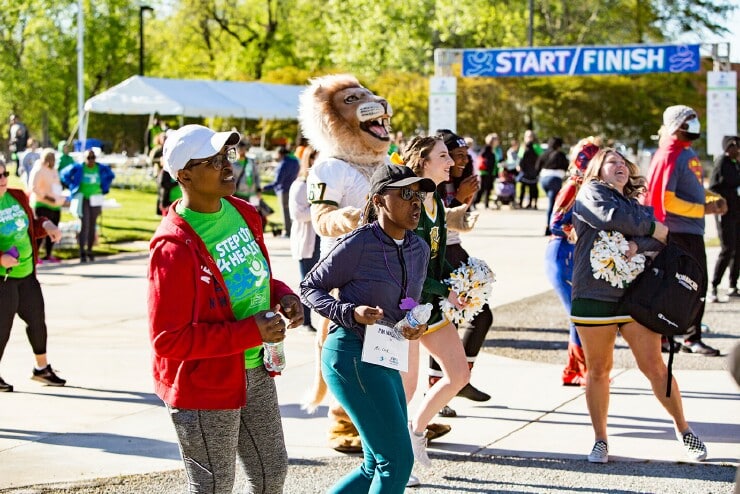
(350, 128)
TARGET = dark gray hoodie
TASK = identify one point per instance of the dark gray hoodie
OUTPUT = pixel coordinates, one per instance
(600, 207)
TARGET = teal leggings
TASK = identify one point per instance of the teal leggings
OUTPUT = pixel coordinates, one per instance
(374, 399)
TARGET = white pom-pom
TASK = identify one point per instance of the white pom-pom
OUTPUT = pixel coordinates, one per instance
(473, 281)
(609, 260)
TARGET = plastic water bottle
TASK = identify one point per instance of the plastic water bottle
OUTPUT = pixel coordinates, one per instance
(274, 353)
(274, 357)
(413, 318)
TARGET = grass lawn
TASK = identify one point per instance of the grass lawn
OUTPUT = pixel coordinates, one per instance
(134, 221)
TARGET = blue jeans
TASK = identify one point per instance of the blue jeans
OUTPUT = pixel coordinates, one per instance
(559, 271)
(551, 185)
(374, 399)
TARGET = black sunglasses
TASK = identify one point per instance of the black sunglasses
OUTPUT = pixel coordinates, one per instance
(408, 194)
(5, 174)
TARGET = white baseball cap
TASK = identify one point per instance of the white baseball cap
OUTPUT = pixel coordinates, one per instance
(192, 142)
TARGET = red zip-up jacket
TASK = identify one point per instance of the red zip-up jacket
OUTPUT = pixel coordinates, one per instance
(198, 345)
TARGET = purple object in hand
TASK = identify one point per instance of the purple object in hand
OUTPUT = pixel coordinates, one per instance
(13, 252)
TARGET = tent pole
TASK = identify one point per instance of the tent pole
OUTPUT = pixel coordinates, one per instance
(81, 124)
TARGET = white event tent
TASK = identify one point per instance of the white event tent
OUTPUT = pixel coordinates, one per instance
(139, 95)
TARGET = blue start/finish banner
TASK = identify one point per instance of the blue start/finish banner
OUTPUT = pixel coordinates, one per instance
(580, 60)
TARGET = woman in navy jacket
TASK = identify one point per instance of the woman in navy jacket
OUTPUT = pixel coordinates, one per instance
(379, 269)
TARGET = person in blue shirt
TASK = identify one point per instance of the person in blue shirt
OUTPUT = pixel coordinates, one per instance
(285, 174)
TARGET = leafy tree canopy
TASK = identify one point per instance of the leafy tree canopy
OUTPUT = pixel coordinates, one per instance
(389, 45)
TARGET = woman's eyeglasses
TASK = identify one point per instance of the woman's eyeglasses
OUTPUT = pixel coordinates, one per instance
(408, 194)
(5, 174)
(217, 162)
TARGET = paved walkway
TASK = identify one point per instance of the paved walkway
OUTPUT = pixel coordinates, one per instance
(107, 421)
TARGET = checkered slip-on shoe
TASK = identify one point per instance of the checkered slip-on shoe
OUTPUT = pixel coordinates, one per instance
(600, 453)
(695, 448)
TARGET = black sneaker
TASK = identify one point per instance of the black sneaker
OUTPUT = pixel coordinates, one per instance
(677, 346)
(472, 393)
(5, 387)
(48, 377)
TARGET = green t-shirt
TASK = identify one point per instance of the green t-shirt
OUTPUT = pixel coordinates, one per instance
(240, 260)
(245, 170)
(175, 193)
(90, 184)
(39, 204)
(64, 161)
(14, 224)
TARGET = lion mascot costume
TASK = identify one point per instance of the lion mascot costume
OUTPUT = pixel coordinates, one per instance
(350, 128)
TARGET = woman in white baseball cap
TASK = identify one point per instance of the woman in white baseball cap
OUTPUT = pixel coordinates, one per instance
(212, 303)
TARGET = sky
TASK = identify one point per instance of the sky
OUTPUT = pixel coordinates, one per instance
(733, 24)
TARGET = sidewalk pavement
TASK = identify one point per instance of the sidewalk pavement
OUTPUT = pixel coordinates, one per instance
(107, 422)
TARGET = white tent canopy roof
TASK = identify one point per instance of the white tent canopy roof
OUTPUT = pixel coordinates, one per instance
(139, 95)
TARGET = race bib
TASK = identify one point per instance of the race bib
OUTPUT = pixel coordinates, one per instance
(382, 347)
(96, 200)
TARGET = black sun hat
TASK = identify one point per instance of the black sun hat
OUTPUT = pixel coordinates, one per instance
(395, 177)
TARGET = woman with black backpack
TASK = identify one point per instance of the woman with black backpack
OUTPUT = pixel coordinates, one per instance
(614, 233)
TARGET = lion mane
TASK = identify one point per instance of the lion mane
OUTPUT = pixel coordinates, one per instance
(360, 136)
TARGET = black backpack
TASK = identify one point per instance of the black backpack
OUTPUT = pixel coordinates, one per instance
(666, 297)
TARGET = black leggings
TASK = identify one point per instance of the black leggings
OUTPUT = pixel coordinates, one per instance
(475, 331)
(484, 193)
(54, 215)
(534, 193)
(23, 296)
(729, 236)
(87, 231)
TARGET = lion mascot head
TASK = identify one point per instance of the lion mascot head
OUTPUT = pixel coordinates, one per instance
(343, 119)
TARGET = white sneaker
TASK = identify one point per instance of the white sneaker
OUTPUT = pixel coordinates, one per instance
(419, 445)
(413, 481)
(600, 453)
(695, 448)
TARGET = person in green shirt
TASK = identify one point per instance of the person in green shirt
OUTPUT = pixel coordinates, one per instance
(213, 302)
(64, 159)
(88, 184)
(20, 291)
(247, 175)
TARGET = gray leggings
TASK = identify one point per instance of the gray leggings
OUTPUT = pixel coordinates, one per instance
(211, 440)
